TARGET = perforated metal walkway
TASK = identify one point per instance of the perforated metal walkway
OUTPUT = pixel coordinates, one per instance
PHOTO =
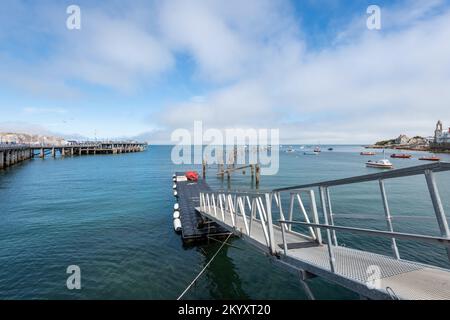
(407, 280)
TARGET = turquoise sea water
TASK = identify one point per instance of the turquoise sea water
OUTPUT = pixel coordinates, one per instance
(112, 216)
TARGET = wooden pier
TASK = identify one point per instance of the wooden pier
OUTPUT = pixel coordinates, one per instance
(11, 154)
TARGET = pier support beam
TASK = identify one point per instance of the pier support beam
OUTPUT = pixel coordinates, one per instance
(7, 158)
(53, 153)
(42, 153)
(2, 160)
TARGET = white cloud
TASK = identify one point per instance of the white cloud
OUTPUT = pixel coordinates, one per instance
(379, 84)
(257, 68)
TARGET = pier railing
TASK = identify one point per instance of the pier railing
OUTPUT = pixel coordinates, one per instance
(242, 209)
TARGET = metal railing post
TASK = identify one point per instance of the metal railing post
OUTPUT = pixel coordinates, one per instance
(283, 234)
(387, 213)
(437, 205)
(221, 206)
(213, 198)
(269, 221)
(208, 203)
(315, 215)
(202, 202)
(278, 195)
(325, 216)
(291, 210)
(330, 214)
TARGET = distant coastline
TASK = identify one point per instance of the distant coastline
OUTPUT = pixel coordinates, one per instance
(403, 142)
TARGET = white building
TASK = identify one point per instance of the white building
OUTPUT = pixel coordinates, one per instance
(441, 136)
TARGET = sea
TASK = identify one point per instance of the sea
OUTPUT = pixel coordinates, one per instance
(111, 215)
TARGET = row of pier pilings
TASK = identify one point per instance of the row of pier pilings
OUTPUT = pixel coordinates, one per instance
(10, 154)
(78, 151)
(10, 157)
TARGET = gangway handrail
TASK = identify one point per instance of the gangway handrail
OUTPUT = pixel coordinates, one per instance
(378, 233)
(396, 173)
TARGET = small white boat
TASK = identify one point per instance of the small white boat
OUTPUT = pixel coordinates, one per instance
(176, 214)
(175, 193)
(176, 206)
(382, 164)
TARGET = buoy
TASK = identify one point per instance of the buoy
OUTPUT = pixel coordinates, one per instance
(174, 186)
(176, 206)
(176, 214)
(175, 193)
(177, 225)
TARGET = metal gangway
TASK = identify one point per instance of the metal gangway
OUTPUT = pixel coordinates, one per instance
(259, 219)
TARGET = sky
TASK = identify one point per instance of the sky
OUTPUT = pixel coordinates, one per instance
(142, 69)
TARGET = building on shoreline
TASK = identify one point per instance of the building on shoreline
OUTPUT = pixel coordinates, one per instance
(441, 139)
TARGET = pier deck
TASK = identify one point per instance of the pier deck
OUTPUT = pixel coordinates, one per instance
(250, 215)
(194, 226)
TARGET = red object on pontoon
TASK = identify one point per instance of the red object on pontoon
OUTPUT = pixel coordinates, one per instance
(191, 175)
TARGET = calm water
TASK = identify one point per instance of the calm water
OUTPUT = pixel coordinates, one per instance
(112, 216)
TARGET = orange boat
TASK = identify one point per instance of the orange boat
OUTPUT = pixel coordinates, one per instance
(367, 153)
(401, 155)
(432, 158)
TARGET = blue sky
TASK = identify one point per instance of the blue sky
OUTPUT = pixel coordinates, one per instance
(144, 68)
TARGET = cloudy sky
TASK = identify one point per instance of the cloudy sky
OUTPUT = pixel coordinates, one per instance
(144, 68)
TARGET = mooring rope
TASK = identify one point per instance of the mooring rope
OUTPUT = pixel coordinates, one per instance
(203, 270)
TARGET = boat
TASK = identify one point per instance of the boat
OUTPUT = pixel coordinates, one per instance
(289, 150)
(382, 164)
(317, 149)
(311, 153)
(401, 155)
(192, 176)
(330, 149)
(428, 158)
(367, 153)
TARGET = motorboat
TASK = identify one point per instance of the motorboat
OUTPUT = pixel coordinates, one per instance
(401, 155)
(382, 164)
(367, 153)
(430, 158)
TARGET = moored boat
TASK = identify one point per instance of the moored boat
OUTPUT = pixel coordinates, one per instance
(401, 155)
(430, 158)
(367, 153)
(382, 164)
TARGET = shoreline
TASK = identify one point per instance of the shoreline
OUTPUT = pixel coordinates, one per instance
(409, 148)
